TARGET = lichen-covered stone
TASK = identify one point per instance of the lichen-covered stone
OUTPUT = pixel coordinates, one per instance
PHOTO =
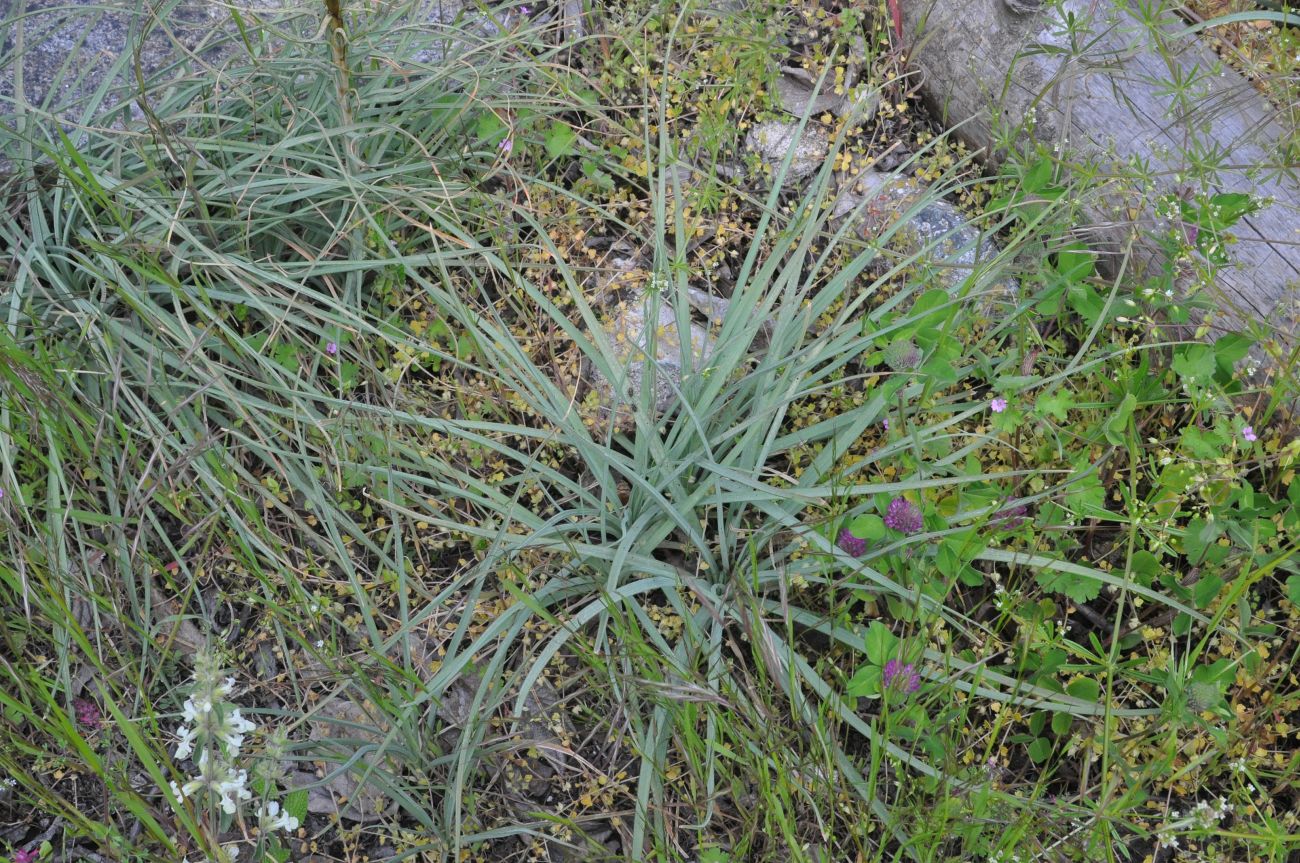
(941, 237)
(773, 139)
(628, 328)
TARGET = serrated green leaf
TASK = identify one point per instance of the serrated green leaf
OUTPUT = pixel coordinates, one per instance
(560, 139)
(1200, 533)
(1227, 208)
(1194, 364)
(1075, 263)
(1206, 589)
(1079, 588)
(1057, 403)
(490, 129)
(295, 804)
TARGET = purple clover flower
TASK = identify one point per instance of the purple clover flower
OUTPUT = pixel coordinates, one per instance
(851, 545)
(901, 676)
(87, 712)
(903, 516)
(1248, 434)
(1012, 518)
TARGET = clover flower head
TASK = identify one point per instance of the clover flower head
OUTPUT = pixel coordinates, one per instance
(850, 544)
(903, 516)
(902, 356)
(87, 712)
(901, 676)
(1011, 518)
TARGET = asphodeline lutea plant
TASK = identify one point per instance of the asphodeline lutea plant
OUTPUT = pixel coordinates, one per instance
(214, 727)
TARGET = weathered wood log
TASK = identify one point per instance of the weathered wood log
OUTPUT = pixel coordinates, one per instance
(1104, 103)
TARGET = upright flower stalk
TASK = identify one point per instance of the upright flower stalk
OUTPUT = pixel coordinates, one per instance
(214, 727)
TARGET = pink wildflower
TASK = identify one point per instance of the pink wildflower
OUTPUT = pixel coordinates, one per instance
(25, 856)
(87, 712)
(903, 516)
(1249, 434)
(998, 405)
(901, 675)
(332, 348)
(850, 544)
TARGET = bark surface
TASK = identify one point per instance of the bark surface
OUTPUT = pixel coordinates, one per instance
(1106, 102)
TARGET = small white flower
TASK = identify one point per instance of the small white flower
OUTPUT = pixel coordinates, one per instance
(232, 730)
(269, 817)
(192, 709)
(8, 782)
(231, 790)
(222, 779)
(185, 747)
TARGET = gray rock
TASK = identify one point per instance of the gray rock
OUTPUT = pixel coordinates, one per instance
(942, 237)
(773, 140)
(542, 726)
(335, 729)
(797, 91)
(628, 326)
(623, 294)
